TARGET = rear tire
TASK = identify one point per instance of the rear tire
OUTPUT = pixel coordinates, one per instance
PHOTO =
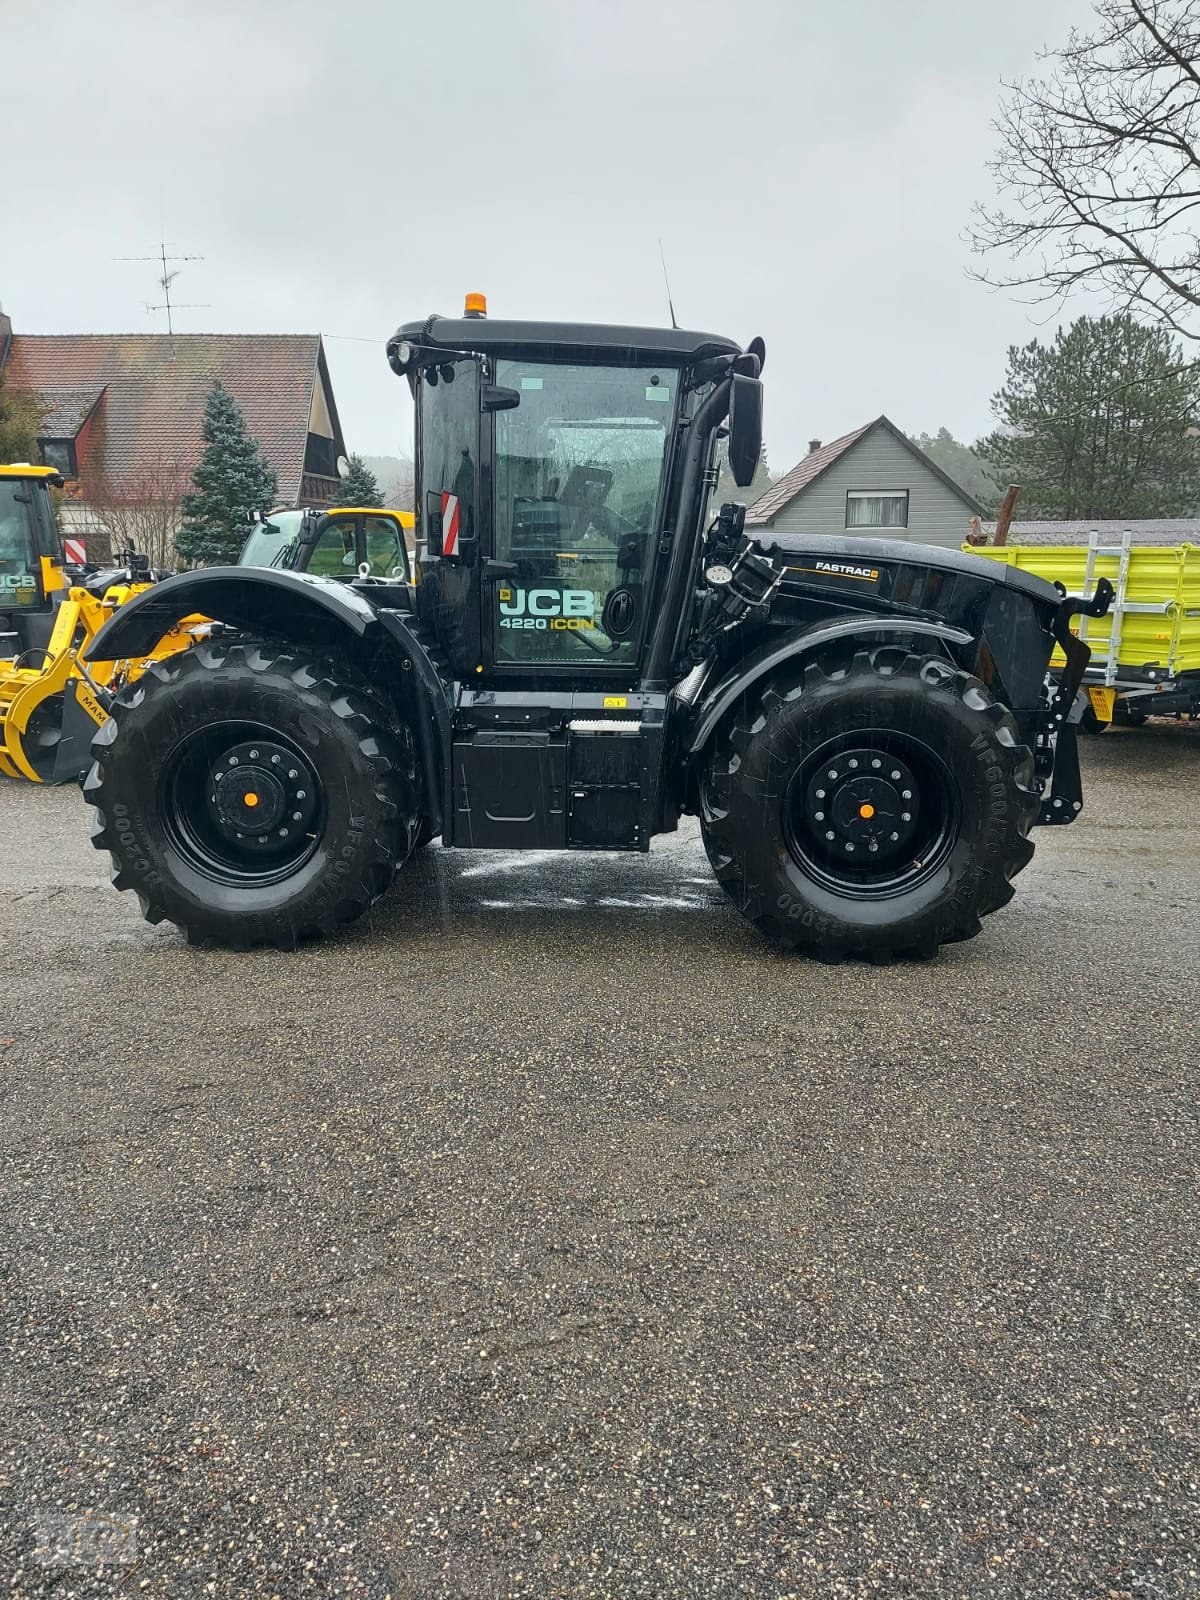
(252, 794)
(915, 771)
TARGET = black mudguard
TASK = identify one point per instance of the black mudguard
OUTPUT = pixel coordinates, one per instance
(289, 605)
(797, 642)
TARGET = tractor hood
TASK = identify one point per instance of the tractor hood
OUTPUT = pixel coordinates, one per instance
(870, 568)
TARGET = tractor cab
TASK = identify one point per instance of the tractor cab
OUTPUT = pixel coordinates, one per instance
(561, 467)
(30, 557)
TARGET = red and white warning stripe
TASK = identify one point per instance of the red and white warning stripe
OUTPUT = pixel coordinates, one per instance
(75, 552)
(449, 524)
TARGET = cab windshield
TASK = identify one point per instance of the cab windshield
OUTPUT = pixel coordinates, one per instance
(270, 541)
(579, 476)
(18, 566)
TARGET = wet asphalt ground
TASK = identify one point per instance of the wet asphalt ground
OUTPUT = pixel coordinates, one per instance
(550, 1235)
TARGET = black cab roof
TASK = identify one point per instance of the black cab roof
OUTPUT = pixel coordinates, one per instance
(565, 341)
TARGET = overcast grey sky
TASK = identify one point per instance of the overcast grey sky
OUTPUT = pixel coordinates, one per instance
(810, 168)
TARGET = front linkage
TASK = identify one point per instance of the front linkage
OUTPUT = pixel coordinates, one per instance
(1056, 754)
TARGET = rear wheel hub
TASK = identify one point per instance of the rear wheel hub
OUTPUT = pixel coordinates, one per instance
(261, 794)
(241, 808)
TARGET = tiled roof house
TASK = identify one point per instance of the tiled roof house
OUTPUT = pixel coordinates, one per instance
(120, 404)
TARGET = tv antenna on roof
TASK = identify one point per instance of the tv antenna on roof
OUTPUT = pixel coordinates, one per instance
(165, 281)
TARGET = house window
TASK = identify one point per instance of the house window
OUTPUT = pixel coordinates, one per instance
(868, 510)
(59, 454)
(320, 456)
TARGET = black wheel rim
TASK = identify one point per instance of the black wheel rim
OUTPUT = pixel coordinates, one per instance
(872, 814)
(241, 804)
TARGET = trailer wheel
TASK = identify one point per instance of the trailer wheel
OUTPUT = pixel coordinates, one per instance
(252, 794)
(873, 806)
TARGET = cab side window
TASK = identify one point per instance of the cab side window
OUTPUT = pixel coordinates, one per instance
(333, 553)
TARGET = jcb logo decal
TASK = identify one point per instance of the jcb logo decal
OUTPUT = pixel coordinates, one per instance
(542, 609)
(547, 602)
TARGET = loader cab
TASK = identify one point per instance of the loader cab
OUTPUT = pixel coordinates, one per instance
(336, 544)
(30, 554)
(553, 490)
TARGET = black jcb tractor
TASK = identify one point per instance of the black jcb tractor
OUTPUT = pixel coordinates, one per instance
(864, 727)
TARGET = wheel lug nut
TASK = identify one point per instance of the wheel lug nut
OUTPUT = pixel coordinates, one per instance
(906, 816)
(877, 763)
(297, 816)
(895, 777)
(254, 755)
(852, 762)
(274, 761)
(818, 816)
(300, 794)
(832, 773)
(283, 833)
(820, 794)
(292, 773)
(894, 836)
(830, 834)
(906, 794)
(233, 761)
(850, 847)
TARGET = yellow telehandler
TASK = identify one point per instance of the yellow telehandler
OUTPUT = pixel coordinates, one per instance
(51, 702)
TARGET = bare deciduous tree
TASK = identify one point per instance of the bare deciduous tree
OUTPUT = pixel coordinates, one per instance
(1098, 167)
(141, 510)
(399, 491)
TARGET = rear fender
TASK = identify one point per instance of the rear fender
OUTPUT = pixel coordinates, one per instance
(798, 643)
(319, 613)
(287, 605)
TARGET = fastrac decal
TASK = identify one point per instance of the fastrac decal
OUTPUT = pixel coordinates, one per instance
(841, 569)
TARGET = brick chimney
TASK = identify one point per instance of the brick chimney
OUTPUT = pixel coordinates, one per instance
(813, 445)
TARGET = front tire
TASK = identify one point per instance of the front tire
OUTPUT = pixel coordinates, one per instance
(252, 794)
(873, 807)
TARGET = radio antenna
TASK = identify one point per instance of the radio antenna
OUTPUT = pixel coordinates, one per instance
(667, 281)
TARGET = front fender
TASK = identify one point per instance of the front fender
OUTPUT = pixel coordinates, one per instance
(798, 642)
(289, 605)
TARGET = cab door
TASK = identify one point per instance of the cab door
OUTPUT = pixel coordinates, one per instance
(579, 465)
(449, 520)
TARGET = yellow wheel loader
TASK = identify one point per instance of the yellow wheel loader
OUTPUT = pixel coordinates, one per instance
(51, 702)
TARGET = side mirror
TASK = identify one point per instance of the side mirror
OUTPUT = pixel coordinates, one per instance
(311, 529)
(494, 397)
(745, 427)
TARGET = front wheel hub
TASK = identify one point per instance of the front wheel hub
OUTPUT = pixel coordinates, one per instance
(872, 814)
(864, 800)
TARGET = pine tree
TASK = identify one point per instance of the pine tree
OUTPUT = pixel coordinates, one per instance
(20, 418)
(359, 487)
(960, 462)
(1098, 423)
(232, 480)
